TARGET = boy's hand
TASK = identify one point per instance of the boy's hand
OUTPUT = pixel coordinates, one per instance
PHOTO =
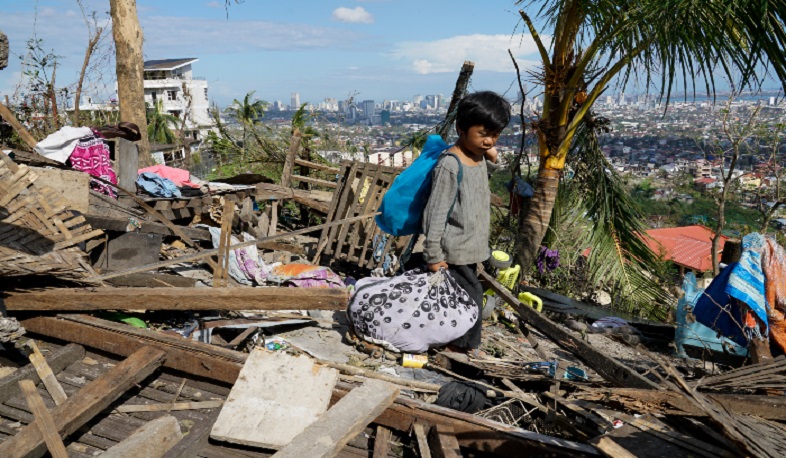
(491, 155)
(436, 266)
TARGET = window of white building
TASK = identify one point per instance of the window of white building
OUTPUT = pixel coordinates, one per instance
(171, 95)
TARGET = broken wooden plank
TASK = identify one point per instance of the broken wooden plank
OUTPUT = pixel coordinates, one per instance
(43, 420)
(316, 166)
(610, 448)
(345, 420)
(168, 407)
(443, 443)
(224, 240)
(207, 253)
(85, 404)
(153, 280)
(151, 440)
(673, 403)
(382, 442)
(420, 435)
(273, 298)
(608, 367)
(315, 181)
(222, 365)
(274, 399)
(46, 374)
(147, 227)
(57, 361)
(195, 441)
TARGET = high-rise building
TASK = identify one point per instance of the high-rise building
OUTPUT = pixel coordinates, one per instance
(342, 106)
(368, 108)
(295, 101)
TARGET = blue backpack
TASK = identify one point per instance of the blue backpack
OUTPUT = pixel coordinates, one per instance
(401, 211)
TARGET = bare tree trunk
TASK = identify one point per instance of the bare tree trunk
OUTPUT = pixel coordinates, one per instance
(130, 70)
(91, 45)
(53, 97)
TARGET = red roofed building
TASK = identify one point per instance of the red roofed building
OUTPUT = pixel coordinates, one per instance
(688, 247)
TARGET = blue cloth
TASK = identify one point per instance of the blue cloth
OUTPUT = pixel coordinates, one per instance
(714, 310)
(402, 206)
(157, 186)
(743, 281)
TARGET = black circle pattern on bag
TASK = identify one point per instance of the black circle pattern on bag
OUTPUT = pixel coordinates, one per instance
(418, 305)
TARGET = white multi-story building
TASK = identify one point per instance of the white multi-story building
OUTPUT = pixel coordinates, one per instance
(171, 82)
(294, 101)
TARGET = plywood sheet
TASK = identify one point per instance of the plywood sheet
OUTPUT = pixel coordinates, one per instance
(275, 398)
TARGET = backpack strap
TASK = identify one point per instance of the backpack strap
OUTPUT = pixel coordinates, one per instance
(459, 178)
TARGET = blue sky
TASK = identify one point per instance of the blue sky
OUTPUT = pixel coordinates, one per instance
(380, 49)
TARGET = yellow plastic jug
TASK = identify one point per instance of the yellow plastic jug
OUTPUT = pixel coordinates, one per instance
(531, 300)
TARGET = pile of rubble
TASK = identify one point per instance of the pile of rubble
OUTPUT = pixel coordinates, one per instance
(213, 324)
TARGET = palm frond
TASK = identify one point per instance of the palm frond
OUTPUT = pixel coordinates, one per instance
(599, 214)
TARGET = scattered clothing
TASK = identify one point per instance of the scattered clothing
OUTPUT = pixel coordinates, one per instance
(178, 176)
(245, 265)
(157, 186)
(126, 130)
(609, 322)
(91, 155)
(59, 145)
(413, 311)
(305, 276)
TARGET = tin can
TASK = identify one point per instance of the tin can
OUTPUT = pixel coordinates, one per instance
(415, 361)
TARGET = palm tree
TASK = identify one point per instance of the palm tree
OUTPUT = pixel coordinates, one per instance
(671, 42)
(248, 113)
(158, 124)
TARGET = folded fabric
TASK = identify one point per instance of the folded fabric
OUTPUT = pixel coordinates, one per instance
(59, 145)
(91, 155)
(157, 186)
(179, 176)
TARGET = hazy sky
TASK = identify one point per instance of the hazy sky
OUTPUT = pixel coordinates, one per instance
(381, 49)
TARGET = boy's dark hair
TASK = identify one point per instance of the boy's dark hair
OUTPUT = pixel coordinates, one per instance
(484, 108)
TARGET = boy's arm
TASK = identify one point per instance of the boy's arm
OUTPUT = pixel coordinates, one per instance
(444, 187)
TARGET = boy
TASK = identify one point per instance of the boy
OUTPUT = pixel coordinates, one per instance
(458, 240)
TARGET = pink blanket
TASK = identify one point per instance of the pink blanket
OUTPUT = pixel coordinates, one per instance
(91, 156)
(179, 176)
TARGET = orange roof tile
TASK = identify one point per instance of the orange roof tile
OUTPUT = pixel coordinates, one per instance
(688, 246)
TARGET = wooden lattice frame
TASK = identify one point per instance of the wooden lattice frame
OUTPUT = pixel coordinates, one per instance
(354, 242)
(38, 230)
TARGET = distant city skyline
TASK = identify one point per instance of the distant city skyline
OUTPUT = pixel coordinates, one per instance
(319, 49)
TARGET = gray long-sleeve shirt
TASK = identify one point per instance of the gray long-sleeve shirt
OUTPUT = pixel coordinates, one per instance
(462, 237)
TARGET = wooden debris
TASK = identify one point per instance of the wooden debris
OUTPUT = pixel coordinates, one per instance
(382, 442)
(146, 227)
(169, 407)
(57, 361)
(420, 435)
(88, 402)
(443, 443)
(38, 230)
(770, 375)
(608, 367)
(346, 419)
(46, 374)
(274, 399)
(9, 117)
(273, 298)
(610, 448)
(151, 440)
(221, 271)
(206, 253)
(43, 420)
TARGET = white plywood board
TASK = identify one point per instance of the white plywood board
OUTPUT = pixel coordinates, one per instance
(275, 398)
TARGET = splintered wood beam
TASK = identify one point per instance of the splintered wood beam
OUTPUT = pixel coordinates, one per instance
(315, 181)
(57, 361)
(443, 443)
(346, 419)
(608, 367)
(222, 365)
(43, 419)
(274, 298)
(382, 442)
(45, 373)
(317, 166)
(85, 404)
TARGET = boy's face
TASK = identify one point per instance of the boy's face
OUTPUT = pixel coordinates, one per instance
(478, 139)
